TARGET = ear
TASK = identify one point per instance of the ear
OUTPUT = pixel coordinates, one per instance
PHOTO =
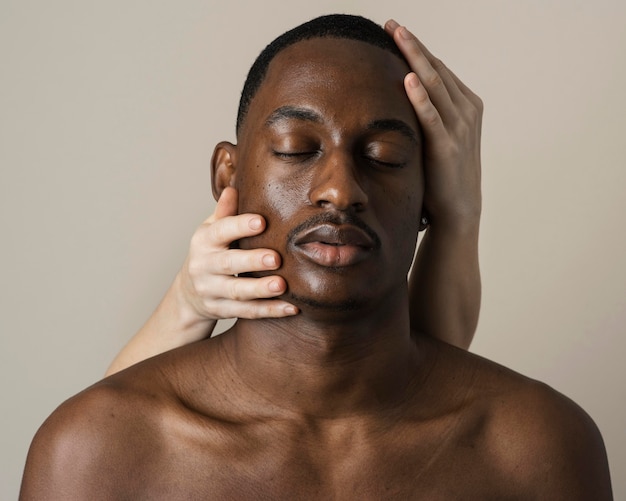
(223, 167)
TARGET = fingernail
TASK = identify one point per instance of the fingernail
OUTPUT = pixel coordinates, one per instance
(269, 260)
(392, 24)
(274, 286)
(255, 223)
(291, 310)
(412, 80)
(406, 34)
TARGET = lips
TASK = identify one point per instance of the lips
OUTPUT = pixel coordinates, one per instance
(334, 245)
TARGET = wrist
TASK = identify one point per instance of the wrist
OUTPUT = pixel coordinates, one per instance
(183, 313)
(466, 225)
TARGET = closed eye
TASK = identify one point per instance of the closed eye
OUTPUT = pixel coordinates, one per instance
(382, 163)
(295, 154)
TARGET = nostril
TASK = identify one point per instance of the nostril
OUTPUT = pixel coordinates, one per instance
(323, 203)
(337, 185)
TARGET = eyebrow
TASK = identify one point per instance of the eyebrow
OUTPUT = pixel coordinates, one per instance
(392, 124)
(290, 113)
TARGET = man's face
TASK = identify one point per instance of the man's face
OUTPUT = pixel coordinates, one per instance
(330, 155)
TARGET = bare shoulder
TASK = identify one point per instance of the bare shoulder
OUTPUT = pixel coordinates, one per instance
(143, 431)
(105, 441)
(538, 438)
(94, 442)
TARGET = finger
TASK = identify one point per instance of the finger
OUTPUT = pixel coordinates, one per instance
(456, 93)
(234, 262)
(449, 74)
(259, 308)
(246, 289)
(427, 114)
(459, 92)
(467, 92)
(222, 232)
(405, 34)
(391, 26)
(433, 75)
(226, 205)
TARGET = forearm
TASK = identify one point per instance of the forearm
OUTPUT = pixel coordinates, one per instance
(445, 286)
(171, 325)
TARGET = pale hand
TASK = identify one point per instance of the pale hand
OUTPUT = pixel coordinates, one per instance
(450, 115)
(208, 285)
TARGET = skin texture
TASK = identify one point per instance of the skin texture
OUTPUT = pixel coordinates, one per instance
(445, 286)
(342, 401)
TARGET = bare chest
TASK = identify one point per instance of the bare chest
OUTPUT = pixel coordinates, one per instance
(290, 463)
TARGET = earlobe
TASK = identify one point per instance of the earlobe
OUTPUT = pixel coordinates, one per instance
(223, 167)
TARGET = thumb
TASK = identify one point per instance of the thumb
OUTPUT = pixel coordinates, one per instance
(226, 205)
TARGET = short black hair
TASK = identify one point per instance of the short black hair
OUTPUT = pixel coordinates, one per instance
(330, 26)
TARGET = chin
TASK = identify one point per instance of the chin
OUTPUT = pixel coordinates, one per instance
(338, 298)
(332, 306)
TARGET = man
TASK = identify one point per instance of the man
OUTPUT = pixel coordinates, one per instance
(342, 400)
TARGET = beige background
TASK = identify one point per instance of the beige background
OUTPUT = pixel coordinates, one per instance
(108, 115)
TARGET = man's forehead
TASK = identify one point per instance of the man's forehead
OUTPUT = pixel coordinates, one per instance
(327, 49)
(344, 27)
(330, 68)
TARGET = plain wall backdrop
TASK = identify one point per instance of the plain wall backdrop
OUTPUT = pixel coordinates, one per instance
(109, 112)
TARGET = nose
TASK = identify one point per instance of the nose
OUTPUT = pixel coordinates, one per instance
(336, 184)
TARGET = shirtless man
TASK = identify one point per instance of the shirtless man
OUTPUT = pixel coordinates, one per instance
(341, 400)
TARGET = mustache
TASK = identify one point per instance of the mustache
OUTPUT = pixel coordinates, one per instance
(337, 219)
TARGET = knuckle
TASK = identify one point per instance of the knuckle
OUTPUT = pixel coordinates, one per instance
(448, 149)
(196, 269)
(474, 112)
(265, 311)
(463, 129)
(432, 120)
(434, 80)
(480, 105)
(234, 291)
(225, 263)
(215, 233)
(454, 150)
(422, 99)
(196, 238)
(438, 65)
(202, 237)
(258, 312)
(206, 287)
(254, 259)
(202, 290)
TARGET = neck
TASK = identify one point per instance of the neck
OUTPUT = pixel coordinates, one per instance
(338, 365)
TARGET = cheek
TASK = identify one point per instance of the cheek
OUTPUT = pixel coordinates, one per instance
(408, 216)
(403, 208)
(413, 208)
(275, 196)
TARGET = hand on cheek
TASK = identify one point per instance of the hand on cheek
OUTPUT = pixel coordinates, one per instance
(209, 278)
